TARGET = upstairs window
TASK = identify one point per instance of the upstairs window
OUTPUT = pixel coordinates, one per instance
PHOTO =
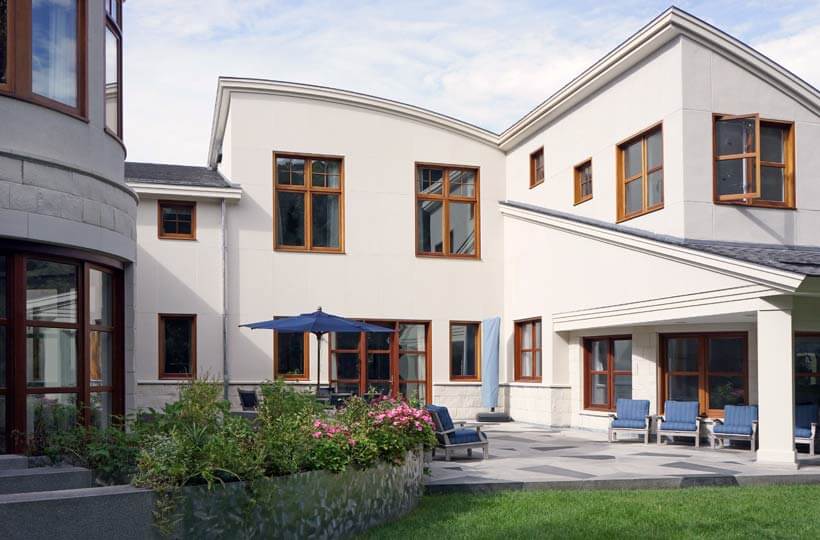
(309, 206)
(464, 351)
(113, 67)
(177, 220)
(754, 161)
(447, 208)
(583, 182)
(640, 174)
(537, 167)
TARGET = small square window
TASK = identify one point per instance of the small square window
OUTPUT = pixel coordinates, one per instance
(177, 220)
(537, 167)
(583, 182)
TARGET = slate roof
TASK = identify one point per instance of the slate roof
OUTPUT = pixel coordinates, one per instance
(174, 175)
(803, 260)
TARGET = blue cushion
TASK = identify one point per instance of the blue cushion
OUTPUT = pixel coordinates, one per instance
(461, 436)
(678, 426)
(803, 433)
(733, 429)
(633, 424)
(804, 415)
(681, 411)
(443, 416)
(632, 409)
(740, 415)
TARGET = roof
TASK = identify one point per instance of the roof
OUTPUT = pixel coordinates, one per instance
(175, 175)
(803, 260)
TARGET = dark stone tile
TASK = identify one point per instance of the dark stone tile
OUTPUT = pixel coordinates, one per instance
(510, 449)
(659, 454)
(510, 438)
(594, 456)
(454, 468)
(701, 468)
(558, 471)
(551, 448)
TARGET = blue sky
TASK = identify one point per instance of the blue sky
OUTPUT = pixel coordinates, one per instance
(484, 62)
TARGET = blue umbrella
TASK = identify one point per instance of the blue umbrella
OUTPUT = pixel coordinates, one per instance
(317, 323)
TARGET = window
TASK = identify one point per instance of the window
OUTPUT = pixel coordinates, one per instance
(607, 371)
(113, 67)
(528, 350)
(4, 43)
(447, 222)
(464, 351)
(708, 368)
(807, 368)
(583, 182)
(291, 359)
(177, 220)
(177, 346)
(640, 174)
(754, 161)
(309, 205)
(537, 167)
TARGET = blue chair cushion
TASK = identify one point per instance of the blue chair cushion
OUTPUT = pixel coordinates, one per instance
(626, 423)
(443, 416)
(804, 415)
(803, 433)
(678, 426)
(740, 415)
(681, 411)
(632, 409)
(733, 429)
(461, 436)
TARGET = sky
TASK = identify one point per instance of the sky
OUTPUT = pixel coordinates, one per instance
(484, 62)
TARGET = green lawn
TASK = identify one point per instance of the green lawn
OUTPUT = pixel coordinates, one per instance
(730, 512)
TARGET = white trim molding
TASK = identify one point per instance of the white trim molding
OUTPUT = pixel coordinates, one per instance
(185, 192)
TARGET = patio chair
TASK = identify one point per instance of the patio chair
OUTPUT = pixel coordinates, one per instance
(467, 435)
(679, 419)
(805, 425)
(631, 416)
(739, 424)
(248, 399)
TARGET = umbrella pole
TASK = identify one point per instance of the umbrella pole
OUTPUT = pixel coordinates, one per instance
(318, 362)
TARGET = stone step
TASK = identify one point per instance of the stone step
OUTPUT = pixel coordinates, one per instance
(44, 479)
(13, 461)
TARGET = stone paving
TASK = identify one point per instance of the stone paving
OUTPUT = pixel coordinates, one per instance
(524, 456)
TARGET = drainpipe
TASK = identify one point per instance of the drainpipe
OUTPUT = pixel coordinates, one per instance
(225, 371)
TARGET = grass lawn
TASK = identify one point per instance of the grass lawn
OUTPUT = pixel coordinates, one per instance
(728, 512)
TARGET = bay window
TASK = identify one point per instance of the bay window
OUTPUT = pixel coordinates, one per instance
(447, 211)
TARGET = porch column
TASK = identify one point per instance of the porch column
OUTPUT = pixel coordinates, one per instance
(776, 384)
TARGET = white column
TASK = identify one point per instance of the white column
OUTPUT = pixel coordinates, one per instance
(775, 385)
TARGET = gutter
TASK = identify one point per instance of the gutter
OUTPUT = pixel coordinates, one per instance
(226, 374)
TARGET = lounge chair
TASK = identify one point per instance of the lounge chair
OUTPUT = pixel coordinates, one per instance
(450, 438)
(631, 416)
(739, 424)
(805, 425)
(248, 399)
(679, 419)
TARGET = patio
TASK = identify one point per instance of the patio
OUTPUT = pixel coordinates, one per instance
(526, 456)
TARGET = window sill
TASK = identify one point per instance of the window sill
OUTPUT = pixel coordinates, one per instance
(581, 201)
(185, 238)
(535, 185)
(448, 257)
(771, 206)
(621, 219)
(280, 249)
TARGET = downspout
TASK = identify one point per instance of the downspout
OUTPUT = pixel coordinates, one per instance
(225, 370)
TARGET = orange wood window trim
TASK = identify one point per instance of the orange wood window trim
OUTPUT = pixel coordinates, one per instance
(528, 325)
(537, 172)
(305, 375)
(622, 180)
(610, 372)
(161, 318)
(578, 172)
(160, 221)
(476, 347)
(806, 374)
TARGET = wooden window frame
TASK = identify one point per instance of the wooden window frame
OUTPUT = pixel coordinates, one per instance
(308, 190)
(161, 318)
(703, 372)
(305, 375)
(610, 372)
(753, 198)
(535, 179)
(519, 325)
(115, 25)
(579, 181)
(477, 347)
(445, 198)
(19, 60)
(622, 180)
(161, 234)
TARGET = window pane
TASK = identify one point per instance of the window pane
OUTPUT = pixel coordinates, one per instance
(526, 364)
(413, 391)
(654, 150)
(101, 351)
(656, 188)
(462, 183)
(585, 178)
(290, 171)
(726, 391)
(682, 354)
(727, 355)
(463, 338)
(346, 340)
(100, 298)
(634, 196)
(378, 366)
(112, 91)
(735, 136)
(599, 393)
(378, 341)
(3, 50)
(412, 337)
(772, 184)
(326, 173)
(633, 162)
(537, 363)
(623, 354)
(462, 228)
(411, 367)
(178, 346)
(772, 139)
(290, 353)
(51, 357)
(51, 291)
(54, 50)
(623, 387)
(47, 413)
(736, 176)
(3, 285)
(599, 355)
(807, 354)
(429, 181)
(807, 389)
(3, 360)
(290, 218)
(683, 387)
(431, 225)
(346, 365)
(526, 336)
(325, 221)
(100, 409)
(536, 330)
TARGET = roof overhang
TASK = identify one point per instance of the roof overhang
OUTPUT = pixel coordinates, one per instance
(185, 192)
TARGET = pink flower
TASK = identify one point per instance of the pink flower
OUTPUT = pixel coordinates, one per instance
(317, 435)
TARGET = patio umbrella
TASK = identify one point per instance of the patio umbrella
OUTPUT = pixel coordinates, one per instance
(317, 323)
